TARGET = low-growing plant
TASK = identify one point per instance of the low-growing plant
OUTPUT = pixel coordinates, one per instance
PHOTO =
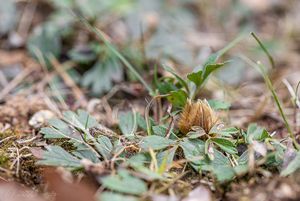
(146, 152)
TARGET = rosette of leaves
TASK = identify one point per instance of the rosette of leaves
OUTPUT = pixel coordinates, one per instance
(106, 70)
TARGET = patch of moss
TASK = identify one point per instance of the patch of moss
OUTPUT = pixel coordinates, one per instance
(3, 159)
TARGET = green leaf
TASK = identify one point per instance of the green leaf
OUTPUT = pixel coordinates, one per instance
(73, 126)
(223, 173)
(127, 123)
(165, 158)
(257, 133)
(179, 79)
(110, 196)
(195, 77)
(104, 146)
(101, 76)
(155, 142)
(177, 98)
(208, 69)
(199, 77)
(141, 122)
(225, 132)
(292, 166)
(124, 183)
(159, 130)
(219, 105)
(80, 120)
(46, 39)
(193, 150)
(83, 152)
(57, 156)
(225, 144)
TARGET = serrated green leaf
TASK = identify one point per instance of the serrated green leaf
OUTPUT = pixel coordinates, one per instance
(81, 120)
(57, 156)
(155, 142)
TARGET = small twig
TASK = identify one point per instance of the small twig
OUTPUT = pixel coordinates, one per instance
(7, 138)
(15, 82)
(68, 81)
(26, 18)
(171, 182)
(171, 125)
(27, 140)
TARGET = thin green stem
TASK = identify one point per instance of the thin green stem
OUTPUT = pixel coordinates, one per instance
(264, 49)
(261, 68)
(113, 49)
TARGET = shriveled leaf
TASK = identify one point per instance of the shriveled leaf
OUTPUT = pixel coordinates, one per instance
(155, 142)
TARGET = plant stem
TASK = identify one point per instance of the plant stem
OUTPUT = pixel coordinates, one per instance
(111, 47)
(264, 49)
(260, 67)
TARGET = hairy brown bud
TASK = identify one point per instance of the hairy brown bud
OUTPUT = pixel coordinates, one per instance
(197, 114)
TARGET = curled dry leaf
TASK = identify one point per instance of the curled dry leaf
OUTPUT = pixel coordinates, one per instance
(197, 114)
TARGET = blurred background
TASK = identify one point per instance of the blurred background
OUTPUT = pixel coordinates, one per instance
(40, 37)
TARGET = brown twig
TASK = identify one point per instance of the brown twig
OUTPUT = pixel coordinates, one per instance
(15, 82)
(69, 82)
